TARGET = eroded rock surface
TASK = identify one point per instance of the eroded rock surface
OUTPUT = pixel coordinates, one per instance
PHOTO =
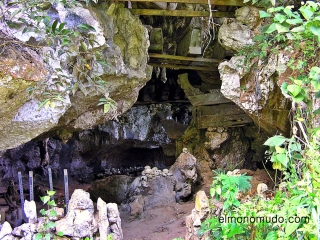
(255, 87)
(123, 44)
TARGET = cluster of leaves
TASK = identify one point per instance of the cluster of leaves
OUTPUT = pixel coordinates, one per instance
(76, 43)
(296, 195)
(46, 229)
(226, 188)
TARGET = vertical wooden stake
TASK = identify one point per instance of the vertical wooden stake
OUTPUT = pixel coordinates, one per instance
(31, 185)
(50, 182)
(21, 194)
(66, 188)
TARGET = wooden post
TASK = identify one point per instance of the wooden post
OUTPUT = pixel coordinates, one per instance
(21, 192)
(31, 185)
(66, 188)
(3, 215)
(50, 181)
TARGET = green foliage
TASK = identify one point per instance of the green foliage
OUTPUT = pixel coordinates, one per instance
(292, 213)
(227, 188)
(46, 229)
(76, 44)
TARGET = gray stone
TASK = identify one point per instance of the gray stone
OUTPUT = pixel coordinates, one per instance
(5, 230)
(126, 74)
(79, 221)
(234, 35)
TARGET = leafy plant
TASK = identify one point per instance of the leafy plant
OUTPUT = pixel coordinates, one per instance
(45, 230)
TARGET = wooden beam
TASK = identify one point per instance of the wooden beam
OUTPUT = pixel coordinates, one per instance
(223, 115)
(183, 58)
(180, 13)
(182, 62)
(223, 121)
(212, 2)
(175, 66)
(208, 99)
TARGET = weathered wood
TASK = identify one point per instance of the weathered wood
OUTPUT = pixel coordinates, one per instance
(196, 97)
(222, 115)
(222, 121)
(208, 99)
(190, 44)
(182, 62)
(156, 40)
(180, 13)
(174, 66)
(183, 58)
(212, 2)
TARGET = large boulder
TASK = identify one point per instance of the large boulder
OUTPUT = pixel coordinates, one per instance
(79, 221)
(122, 42)
(258, 91)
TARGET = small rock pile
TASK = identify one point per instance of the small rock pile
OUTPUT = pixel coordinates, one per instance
(150, 173)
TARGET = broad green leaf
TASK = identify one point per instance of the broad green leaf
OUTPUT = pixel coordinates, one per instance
(51, 224)
(297, 156)
(212, 192)
(280, 150)
(294, 89)
(294, 21)
(315, 30)
(38, 236)
(280, 18)
(316, 85)
(106, 108)
(51, 192)
(314, 73)
(45, 199)
(284, 87)
(43, 212)
(61, 26)
(218, 190)
(54, 26)
(272, 236)
(271, 28)
(298, 29)
(277, 140)
(264, 14)
(86, 27)
(53, 213)
(60, 233)
(298, 98)
(281, 28)
(290, 228)
(52, 203)
(317, 95)
(306, 12)
(282, 158)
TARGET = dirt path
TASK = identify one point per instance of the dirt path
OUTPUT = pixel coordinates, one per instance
(162, 223)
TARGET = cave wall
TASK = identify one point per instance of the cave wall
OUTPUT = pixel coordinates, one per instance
(122, 41)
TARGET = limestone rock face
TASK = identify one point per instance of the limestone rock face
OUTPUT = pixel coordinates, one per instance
(234, 35)
(109, 220)
(122, 42)
(79, 221)
(257, 92)
(198, 214)
(185, 175)
(249, 16)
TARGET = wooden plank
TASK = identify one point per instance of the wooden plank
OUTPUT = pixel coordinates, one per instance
(222, 121)
(180, 13)
(173, 66)
(219, 110)
(208, 99)
(183, 58)
(212, 2)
